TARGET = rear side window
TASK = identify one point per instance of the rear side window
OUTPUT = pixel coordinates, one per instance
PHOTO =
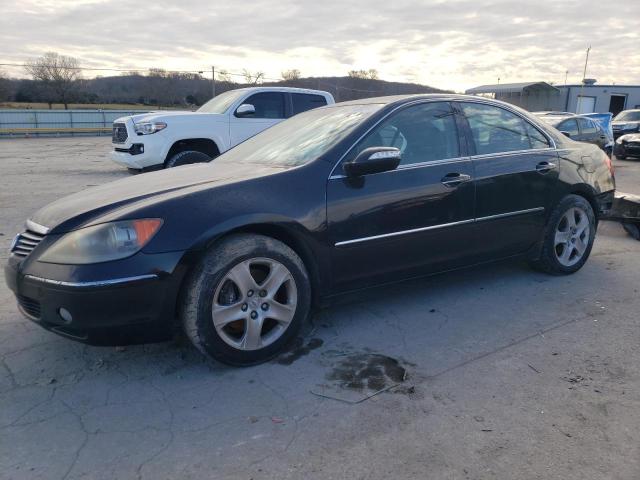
(588, 127)
(496, 130)
(267, 104)
(570, 126)
(306, 101)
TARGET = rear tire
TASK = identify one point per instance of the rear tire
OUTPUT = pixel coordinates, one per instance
(246, 300)
(568, 237)
(187, 158)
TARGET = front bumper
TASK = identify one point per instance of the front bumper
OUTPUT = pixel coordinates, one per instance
(631, 149)
(109, 311)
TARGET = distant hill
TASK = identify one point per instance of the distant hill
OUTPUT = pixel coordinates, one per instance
(187, 91)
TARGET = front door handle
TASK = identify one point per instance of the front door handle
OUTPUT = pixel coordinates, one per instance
(454, 179)
(545, 167)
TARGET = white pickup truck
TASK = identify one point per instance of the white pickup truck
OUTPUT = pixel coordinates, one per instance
(168, 139)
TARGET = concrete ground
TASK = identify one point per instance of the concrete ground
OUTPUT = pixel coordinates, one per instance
(501, 373)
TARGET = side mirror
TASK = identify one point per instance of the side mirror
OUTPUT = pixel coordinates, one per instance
(245, 110)
(566, 134)
(373, 160)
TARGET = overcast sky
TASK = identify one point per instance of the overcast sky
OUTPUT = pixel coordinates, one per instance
(451, 44)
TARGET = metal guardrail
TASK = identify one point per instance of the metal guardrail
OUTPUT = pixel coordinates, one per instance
(37, 122)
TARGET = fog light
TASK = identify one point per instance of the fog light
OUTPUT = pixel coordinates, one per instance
(136, 149)
(65, 315)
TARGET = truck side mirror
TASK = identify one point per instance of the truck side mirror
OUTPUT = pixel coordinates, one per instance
(245, 110)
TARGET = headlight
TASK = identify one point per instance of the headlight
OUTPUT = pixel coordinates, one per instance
(147, 128)
(102, 243)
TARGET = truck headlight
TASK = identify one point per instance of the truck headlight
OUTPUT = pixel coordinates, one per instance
(147, 128)
(102, 243)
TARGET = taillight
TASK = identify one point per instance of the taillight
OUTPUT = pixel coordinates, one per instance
(607, 159)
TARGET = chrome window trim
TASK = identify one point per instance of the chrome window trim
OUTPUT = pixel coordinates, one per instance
(97, 283)
(36, 227)
(436, 227)
(452, 102)
(410, 166)
(512, 152)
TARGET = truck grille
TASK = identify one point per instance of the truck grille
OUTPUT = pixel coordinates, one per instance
(119, 134)
(26, 242)
(30, 306)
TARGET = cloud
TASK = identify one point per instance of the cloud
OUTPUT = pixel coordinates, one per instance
(449, 44)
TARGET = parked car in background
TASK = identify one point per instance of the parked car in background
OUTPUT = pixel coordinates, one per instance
(627, 121)
(579, 128)
(333, 200)
(169, 139)
(627, 146)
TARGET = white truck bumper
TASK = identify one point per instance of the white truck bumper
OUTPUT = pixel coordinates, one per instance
(139, 151)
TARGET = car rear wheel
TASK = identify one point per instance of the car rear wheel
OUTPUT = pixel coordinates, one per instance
(187, 157)
(568, 237)
(246, 300)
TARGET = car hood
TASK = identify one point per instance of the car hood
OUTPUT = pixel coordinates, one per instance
(168, 116)
(85, 207)
(631, 137)
(617, 123)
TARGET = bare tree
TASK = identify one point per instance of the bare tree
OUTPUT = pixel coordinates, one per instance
(371, 74)
(224, 76)
(59, 75)
(252, 78)
(4, 86)
(293, 74)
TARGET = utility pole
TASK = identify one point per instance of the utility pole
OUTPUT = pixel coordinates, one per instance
(213, 81)
(584, 76)
(566, 74)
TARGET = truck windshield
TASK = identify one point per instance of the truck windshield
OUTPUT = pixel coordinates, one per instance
(300, 139)
(222, 102)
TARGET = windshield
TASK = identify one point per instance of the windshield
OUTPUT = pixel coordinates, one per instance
(222, 102)
(300, 139)
(628, 116)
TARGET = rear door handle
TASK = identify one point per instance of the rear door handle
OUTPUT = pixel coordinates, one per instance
(545, 167)
(454, 179)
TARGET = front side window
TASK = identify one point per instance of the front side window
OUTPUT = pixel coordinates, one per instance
(495, 130)
(306, 101)
(570, 126)
(423, 133)
(587, 126)
(267, 104)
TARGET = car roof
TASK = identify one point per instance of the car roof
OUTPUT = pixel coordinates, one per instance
(282, 89)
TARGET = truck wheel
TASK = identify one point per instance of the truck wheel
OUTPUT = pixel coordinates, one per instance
(246, 300)
(568, 237)
(186, 158)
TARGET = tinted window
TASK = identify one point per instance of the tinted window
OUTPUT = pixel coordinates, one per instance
(570, 126)
(496, 130)
(304, 101)
(537, 139)
(267, 104)
(423, 133)
(587, 126)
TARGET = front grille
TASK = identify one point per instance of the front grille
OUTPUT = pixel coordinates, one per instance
(30, 306)
(26, 242)
(119, 134)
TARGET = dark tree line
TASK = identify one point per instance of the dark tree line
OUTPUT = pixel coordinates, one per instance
(58, 79)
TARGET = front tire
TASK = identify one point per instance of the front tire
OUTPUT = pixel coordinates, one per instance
(187, 157)
(568, 237)
(246, 300)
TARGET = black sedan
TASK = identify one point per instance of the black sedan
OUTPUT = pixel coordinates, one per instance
(627, 146)
(579, 128)
(626, 122)
(237, 252)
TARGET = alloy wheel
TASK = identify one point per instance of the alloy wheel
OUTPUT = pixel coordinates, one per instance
(254, 303)
(572, 236)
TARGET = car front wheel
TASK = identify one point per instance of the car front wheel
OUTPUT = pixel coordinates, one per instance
(246, 300)
(568, 237)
